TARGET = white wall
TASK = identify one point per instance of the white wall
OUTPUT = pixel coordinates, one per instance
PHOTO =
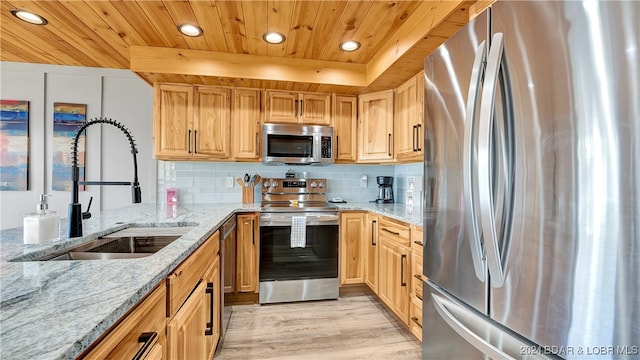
(116, 94)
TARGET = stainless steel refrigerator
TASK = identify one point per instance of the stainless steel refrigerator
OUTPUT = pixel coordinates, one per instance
(532, 184)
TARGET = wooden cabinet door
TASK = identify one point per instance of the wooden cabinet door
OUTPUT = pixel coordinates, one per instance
(213, 310)
(351, 248)
(212, 123)
(173, 111)
(124, 341)
(371, 252)
(375, 124)
(248, 234)
(315, 109)
(404, 118)
(344, 122)
(281, 107)
(246, 125)
(186, 330)
(394, 278)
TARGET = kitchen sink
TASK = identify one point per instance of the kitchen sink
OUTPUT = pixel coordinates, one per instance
(134, 242)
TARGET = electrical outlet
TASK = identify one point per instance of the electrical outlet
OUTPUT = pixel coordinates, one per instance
(229, 181)
(363, 181)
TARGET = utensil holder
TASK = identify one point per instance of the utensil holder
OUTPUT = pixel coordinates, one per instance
(247, 194)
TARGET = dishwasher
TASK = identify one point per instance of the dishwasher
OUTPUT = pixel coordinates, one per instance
(228, 269)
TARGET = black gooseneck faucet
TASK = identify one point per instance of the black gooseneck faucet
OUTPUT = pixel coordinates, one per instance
(75, 208)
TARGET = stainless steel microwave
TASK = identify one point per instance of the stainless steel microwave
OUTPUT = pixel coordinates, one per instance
(297, 144)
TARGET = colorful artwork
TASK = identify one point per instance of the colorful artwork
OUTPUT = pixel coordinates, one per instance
(67, 119)
(14, 145)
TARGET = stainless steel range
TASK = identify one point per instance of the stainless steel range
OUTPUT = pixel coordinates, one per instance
(298, 242)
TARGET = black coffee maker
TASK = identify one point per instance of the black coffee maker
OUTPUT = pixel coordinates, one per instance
(385, 190)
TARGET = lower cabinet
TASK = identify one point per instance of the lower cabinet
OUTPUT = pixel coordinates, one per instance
(371, 252)
(394, 262)
(140, 335)
(213, 310)
(417, 247)
(248, 238)
(186, 330)
(351, 247)
(193, 327)
(393, 288)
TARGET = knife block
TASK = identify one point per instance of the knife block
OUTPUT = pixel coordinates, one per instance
(247, 194)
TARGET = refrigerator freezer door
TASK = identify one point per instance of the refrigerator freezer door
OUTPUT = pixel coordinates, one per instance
(448, 237)
(571, 269)
(459, 332)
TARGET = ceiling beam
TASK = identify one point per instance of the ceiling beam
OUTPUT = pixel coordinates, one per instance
(147, 59)
(426, 17)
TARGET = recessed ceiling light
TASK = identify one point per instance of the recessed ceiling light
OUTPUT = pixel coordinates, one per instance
(273, 37)
(190, 30)
(350, 45)
(29, 17)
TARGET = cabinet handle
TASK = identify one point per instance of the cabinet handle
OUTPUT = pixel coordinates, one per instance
(403, 258)
(257, 142)
(389, 144)
(253, 234)
(295, 108)
(195, 141)
(301, 107)
(413, 137)
(419, 126)
(391, 232)
(373, 223)
(189, 142)
(148, 338)
(418, 242)
(415, 320)
(209, 330)
(337, 143)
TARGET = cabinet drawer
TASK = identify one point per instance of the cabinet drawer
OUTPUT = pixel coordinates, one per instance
(125, 340)
(185, 277)
(416, 239)
(393, 230)
(415, 317)
(417, 277)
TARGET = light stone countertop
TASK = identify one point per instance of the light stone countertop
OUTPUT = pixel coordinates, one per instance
(56, 309)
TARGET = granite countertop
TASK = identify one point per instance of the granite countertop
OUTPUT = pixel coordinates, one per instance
(56, 309)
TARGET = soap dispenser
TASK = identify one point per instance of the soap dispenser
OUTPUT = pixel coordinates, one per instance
(41, 226)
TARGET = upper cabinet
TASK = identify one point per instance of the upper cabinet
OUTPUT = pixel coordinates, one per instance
(172, 118)
(245, 132)
(306, 108)
(191, 122)
(408, 115)
(344, 122)
(375, 125)
(212, 123)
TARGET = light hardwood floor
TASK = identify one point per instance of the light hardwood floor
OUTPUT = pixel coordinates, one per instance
(352, 327)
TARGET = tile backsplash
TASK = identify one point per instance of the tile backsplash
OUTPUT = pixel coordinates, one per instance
(206, 182)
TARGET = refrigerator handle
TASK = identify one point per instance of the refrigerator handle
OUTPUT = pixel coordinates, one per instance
(469, 163)
(485, 163)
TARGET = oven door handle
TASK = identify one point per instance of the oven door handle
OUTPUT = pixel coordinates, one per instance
(311, 220)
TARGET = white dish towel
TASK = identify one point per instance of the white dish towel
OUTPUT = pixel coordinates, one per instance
(298, 231)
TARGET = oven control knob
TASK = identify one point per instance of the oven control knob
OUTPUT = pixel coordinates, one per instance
(313, 185)
(321, 184)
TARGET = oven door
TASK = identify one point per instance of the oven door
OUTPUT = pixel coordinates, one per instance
(298, 273)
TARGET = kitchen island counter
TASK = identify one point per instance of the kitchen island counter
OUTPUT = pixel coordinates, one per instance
(57, 309)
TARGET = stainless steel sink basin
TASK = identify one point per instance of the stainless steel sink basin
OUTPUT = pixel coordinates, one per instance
(134, 242)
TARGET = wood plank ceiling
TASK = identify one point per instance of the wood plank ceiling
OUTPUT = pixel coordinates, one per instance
(142, 36)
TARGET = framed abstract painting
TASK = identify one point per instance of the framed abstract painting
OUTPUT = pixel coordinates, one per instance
(14, 145)
(67, 119)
